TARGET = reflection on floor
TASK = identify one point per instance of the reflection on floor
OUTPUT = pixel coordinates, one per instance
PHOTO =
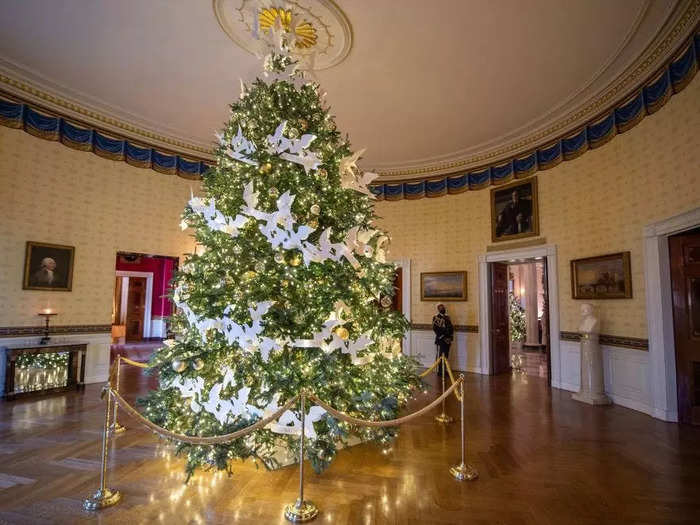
(542, 458)
(138, 351)
(535, 364)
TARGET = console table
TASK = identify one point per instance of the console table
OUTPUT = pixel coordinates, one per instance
(75, 373)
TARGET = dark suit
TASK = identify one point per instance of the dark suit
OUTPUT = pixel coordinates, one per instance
(508, 223)
(444, 331)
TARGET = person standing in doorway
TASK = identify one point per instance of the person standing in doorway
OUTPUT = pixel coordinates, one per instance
(444, 331)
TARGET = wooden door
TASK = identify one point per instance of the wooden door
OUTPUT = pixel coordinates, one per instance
(396, 301)
(685, 283)
(500, 361)
(135, 308)
(545, 318)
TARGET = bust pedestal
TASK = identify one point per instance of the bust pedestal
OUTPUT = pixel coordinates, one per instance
(592, 389)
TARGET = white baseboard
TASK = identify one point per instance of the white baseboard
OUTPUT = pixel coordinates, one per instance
(464, 354)
(665, 415)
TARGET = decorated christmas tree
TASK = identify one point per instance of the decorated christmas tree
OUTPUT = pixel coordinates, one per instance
(287, 290)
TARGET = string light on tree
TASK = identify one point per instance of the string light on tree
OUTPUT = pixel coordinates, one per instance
(285, 294)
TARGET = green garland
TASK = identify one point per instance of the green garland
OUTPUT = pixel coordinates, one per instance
(44, 360)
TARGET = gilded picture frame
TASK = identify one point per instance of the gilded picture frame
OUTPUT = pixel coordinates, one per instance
(443, 286)
(602, 277)
(48, 267)
(515, 211)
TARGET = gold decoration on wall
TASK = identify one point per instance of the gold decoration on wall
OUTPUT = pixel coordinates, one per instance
(305, 32)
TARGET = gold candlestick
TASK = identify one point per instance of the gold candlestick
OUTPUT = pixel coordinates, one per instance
(46, 314)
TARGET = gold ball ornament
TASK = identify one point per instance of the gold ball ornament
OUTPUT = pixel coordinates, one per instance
(265, 168)
(322, 173)
(294, 259)
(342, 332)
(279, 257)
(313, 223)
(198, 364)
(237, 249)
(315, 209)
(385, 301)
(179, 366)
(259, 266)
(303, 123)
(284, 283)
(249, 275)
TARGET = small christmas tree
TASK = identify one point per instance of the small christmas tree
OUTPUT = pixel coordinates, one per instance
(516, 318)
(285, 294)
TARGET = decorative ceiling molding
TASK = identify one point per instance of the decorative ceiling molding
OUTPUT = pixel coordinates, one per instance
(589, 122)
(30, 87)
(324, 24)
(76, 135)
(664, 46)
(645, 100)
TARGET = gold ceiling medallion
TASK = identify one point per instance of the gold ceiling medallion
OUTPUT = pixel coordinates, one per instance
(320, 32)
(304, 31)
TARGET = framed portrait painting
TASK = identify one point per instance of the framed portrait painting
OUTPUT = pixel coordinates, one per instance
(602, 277)
(443, 286)
(514, 212)
(48, 267)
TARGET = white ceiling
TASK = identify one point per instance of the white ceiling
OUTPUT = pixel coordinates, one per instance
(425, 81)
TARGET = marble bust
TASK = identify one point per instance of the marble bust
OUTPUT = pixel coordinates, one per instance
(589, 322)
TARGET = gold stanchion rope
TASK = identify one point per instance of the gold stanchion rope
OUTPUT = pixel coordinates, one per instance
(134, 363)
(452, 378)
(384, 423)
(432, 367)
(200, 440)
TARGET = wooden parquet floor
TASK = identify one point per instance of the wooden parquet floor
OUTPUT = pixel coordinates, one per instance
(542, 458)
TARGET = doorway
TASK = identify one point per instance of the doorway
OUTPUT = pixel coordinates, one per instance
(519, 319)
(494, 325)
(684, 252)
(141, 304)
(133, 292)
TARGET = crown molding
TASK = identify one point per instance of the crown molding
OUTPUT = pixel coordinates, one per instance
(29, 86)
(678, 28)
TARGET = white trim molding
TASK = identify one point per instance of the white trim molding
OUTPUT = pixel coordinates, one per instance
(149, 298)
(405, 265)
(659, 303)
(548, 251)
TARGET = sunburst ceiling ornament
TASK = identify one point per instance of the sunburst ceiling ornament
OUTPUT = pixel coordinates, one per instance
(320, 27)
(304, 30)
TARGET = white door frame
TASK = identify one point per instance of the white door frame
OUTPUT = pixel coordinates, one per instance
(405, 265)
(545, 250)
(149, 298)
(659, 303)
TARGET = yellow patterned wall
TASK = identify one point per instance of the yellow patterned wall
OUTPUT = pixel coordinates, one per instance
(51, 193)
(596, 204)
(593, 205)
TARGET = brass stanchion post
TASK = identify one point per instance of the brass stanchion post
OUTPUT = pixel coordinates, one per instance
(104, 497)
(301, 510)
(463, 471)
(443, 417)
(115, 427)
